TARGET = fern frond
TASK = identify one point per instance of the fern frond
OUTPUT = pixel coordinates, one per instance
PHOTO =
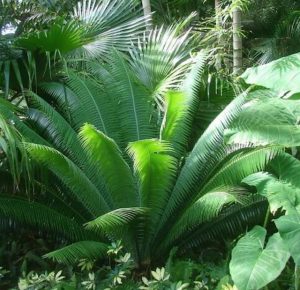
(105, 155)
(80, 186)
(230, 224)
(71, 254)
(40, 217)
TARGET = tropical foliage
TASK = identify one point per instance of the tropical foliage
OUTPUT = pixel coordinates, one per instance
(101, 143)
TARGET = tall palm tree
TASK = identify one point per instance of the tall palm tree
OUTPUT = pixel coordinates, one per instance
(237, 40)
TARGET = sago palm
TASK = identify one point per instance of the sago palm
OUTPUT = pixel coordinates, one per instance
(114, 144)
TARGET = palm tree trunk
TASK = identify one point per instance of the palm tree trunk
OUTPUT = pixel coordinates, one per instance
(237, 41)
(217, 13)
(147, 12)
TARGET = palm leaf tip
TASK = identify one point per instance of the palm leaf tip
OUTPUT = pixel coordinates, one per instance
(116, 218)
(71, 254)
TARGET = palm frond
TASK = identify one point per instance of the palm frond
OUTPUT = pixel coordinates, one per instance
(230, 224)
(93, 105)
(61, 37)
(113, 221)
(204, 210)
(81, 187)
(41, 217)
(181, 107)
(10, 112)
(71, 254)
(54, 127)
(155, 168)
(161, 59)
(210, 147)
(240, 165)
(108, 24)
(105, 155)
(12, 149)
(134, 103)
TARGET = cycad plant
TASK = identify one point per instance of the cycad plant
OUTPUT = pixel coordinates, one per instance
(112, 140)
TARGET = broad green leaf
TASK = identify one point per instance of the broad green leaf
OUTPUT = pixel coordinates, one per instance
(289, 229)
(280, 193)
(253, 265)
(282, 75)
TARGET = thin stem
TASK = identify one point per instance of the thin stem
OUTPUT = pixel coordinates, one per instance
(267, 217)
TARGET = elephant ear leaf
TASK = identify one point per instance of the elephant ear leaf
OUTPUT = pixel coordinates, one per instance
(289, 229)
(281, 75)
(253, 265)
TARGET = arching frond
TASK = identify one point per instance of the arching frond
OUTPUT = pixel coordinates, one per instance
(160, 59)
(108, 25)
(133, 100)
(40, 217)
(155, 169)
(54, 127)
(93, 103)
(68, 103)
(239, 166)
(231, 223)
(105, 155)
(113, 221)
(204, 210)
(71, 254)
(207, 153)
(81, 187)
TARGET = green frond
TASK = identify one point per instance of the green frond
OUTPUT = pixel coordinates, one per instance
(193, 80)
(155, 168)
(41, 217)
(71, 254)
(61, 37)
(161, 58)
(67, 101)
(229, 224)
(204, 210)
(108, 25)
(54, 127)
(80, 186)
(105, 155)
(205, 156)
(12, 150)
(242, 164)
(11, 112)
(176, 125)
(113, 221)
(94, 106)
(133, 101)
